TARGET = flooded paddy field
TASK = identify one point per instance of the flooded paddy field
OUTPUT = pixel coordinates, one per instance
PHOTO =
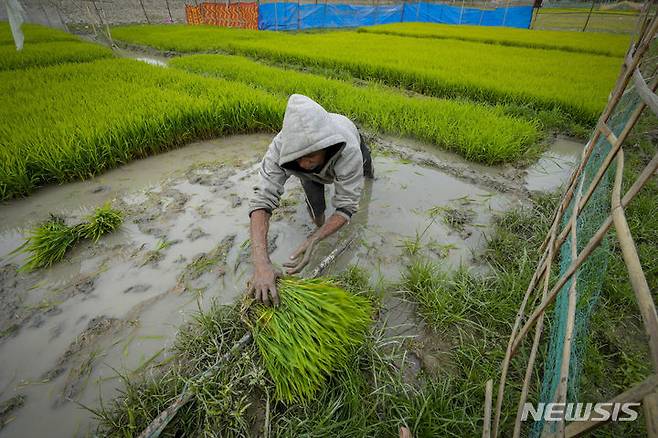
(116, 306)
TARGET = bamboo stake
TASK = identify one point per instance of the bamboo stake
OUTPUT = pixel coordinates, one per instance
(588, 16)
(635, 273)
(562, 389)
(171, 19)
(488, 395)
(144, 10)
(647, 387)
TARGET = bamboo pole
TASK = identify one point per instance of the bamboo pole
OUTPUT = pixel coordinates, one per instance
(588, 16)
(488, 395)
(171, 19)
(640, 391)
(144, 10)
(563, 383)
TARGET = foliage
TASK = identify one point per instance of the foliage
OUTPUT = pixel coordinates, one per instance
(104, 220)
(74, 121)
(478, 132)
(310, 335)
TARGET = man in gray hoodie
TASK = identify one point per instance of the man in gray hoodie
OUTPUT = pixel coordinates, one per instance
(319, 148)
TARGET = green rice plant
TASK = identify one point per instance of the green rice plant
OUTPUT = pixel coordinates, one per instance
(49, 53)
(310, 335)
(575, 83)
(70, 122)
(478, 132)
(34, 33)
(103, 220)
(598, 44)
(47, 243)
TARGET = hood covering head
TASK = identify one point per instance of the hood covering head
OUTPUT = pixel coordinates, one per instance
(307, 128)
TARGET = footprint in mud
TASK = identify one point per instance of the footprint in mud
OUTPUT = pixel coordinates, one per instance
(196, 233)
(137, 289)
(213, 261)
(80, 357)
(8, 407)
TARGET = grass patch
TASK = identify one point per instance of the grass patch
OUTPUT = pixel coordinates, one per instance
(70, 122)
(478, 132)
(602, 44)
(577, 85)
(49, 242)
(50, 53)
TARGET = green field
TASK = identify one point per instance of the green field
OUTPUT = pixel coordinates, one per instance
(611, 45)
(478, 132)
(34, 33)
(577, 84)
(73, 121)
(575, 19)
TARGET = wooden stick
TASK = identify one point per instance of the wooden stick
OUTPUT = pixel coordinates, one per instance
(488, 396)
(563, 386)
(634, 395)
(632, 260)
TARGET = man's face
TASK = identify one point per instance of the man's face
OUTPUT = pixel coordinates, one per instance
(312, 161)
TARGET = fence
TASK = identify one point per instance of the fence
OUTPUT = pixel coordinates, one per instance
(575, 249)
(300, 16)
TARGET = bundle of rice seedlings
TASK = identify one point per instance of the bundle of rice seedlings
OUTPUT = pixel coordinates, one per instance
(47, 243)
(310, 335)
(104, 220)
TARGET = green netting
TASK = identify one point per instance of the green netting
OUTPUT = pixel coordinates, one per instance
(590, 275)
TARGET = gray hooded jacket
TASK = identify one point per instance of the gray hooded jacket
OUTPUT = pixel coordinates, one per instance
(308, 128)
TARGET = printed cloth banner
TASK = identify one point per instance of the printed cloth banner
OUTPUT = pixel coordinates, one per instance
(242, 15)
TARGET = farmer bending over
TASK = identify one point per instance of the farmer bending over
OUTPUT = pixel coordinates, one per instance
(319, 148)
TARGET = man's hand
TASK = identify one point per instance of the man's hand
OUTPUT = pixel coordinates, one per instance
(263, 284)
(301, 256)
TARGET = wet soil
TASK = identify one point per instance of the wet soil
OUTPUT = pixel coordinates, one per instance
(116, 304)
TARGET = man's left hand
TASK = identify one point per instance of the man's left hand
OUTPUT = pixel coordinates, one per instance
(301, 256)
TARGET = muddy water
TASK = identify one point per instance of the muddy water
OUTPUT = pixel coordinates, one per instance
(118, 304)
(554, 167)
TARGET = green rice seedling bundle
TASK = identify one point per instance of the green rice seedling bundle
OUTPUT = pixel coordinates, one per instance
(48, 243)
(599, 44)
(310, 335)
(49, 53)
(575, 83)
(69, 122)
(478, 132)
(34, 33)
(104, 220)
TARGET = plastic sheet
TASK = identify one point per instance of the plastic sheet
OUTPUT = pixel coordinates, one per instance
(294, 16)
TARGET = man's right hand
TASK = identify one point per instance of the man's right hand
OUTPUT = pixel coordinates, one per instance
(263, 283)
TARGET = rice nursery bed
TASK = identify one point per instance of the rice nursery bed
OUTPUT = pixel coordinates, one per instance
(599, 44)
(482, 72)
(478, 132)
(45, 46)
(34, 33)
(73, 121)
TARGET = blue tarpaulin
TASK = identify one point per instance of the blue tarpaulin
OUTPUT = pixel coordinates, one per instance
(294, 16)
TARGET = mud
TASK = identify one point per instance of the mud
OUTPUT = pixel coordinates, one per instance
(115, 304)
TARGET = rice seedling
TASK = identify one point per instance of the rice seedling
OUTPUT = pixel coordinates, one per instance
(49, 53)
(34, 33)
(73, 121)
(575, 83)
(311, 335)
(48, 243)
(104, 220)
(579, 42)
(478, 132)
